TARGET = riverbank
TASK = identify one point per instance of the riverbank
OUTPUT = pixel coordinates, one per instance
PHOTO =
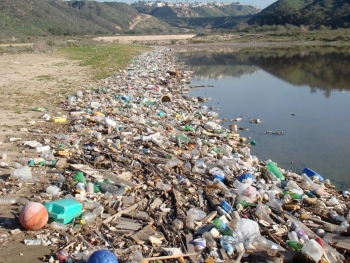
(124, 126)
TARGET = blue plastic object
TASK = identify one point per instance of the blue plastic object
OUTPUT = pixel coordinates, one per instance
(311, 173)
(226, 206)
(244, 178)
(102, 256)
(63, 210)
(219, 177)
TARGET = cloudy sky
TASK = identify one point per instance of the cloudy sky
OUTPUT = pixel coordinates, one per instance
(259, 3)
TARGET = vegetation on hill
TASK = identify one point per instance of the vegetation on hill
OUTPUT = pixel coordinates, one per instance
(329, 13)
(54, 17)
(204, 11)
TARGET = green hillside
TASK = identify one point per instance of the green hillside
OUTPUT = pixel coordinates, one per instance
(330, 13)
(190, 12)
(20, 18)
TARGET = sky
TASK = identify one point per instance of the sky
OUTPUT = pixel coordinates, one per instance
(259, 3)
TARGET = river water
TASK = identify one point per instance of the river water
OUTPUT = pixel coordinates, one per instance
(304, 93)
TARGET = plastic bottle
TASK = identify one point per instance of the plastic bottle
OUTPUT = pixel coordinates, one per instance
(87, 217)
(7, 201)
(292, 235)
(292, 185)
(294, 196)
(228, 243)
(245, 203)
(90, 187)
(295, 244)
(163, 187)
(190, 221)
(271, 167)
(210, 241)
(172, 163)
(246, 190)
(21, 173)
(260, 212)
(222, 227)
(58, 226)
(313, 249)
(270, 247)
(300, 233)
(178, 224)
(79, 177)
(53, 190)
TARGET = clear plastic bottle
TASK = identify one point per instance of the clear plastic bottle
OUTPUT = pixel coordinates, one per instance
(58, 226)
(262, 243)
(7, 201)
(209, 239)
(21, 173)
(87, 218)
(190, 221)
(163, 187)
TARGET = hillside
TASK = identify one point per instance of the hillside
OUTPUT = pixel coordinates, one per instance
(191, 11)
(330, 13)
(20, 18)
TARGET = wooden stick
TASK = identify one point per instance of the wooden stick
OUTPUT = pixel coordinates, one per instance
(168, 257)
(127, 210)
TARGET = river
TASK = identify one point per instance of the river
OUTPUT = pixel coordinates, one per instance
(302, 94)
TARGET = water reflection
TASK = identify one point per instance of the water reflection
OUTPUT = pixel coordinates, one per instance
(325, 69)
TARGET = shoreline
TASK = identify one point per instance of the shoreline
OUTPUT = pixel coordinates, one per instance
(155, 127)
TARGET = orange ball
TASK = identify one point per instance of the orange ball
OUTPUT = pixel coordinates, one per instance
(33, 216)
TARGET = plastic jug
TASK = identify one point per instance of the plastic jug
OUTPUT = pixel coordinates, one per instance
(313, 249)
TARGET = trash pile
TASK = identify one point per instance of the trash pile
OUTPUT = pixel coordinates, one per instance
(142, 172)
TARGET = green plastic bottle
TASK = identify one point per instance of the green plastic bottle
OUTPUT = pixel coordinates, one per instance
(245, 204)
(271, 167)
(79, 177)
(295, 244)
(220, 131)
(294, 196)
(222, 227)
(189, 128)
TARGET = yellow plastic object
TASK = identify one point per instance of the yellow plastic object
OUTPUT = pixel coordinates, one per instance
(58, 119)
(97, 113)
(62, 153)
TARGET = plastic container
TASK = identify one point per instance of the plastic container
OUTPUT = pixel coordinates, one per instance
(115, 189)
(7, 201)
(260, 212)
(63, 210)
(222, 227)
(311, 173)
(22, 173)
(292, 235)
(313, 249)
(228, 243)
(178, 224)
(163, 187)
(90, 188)
(210, 241)
(270, 247)
(226, 206)
(79, 177)
(271, 167)
(53, 190)
(58, 226)
(87, 218)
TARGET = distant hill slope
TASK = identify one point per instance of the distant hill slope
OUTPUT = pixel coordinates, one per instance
(190, 12)
(334, 13)
(41, 17)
